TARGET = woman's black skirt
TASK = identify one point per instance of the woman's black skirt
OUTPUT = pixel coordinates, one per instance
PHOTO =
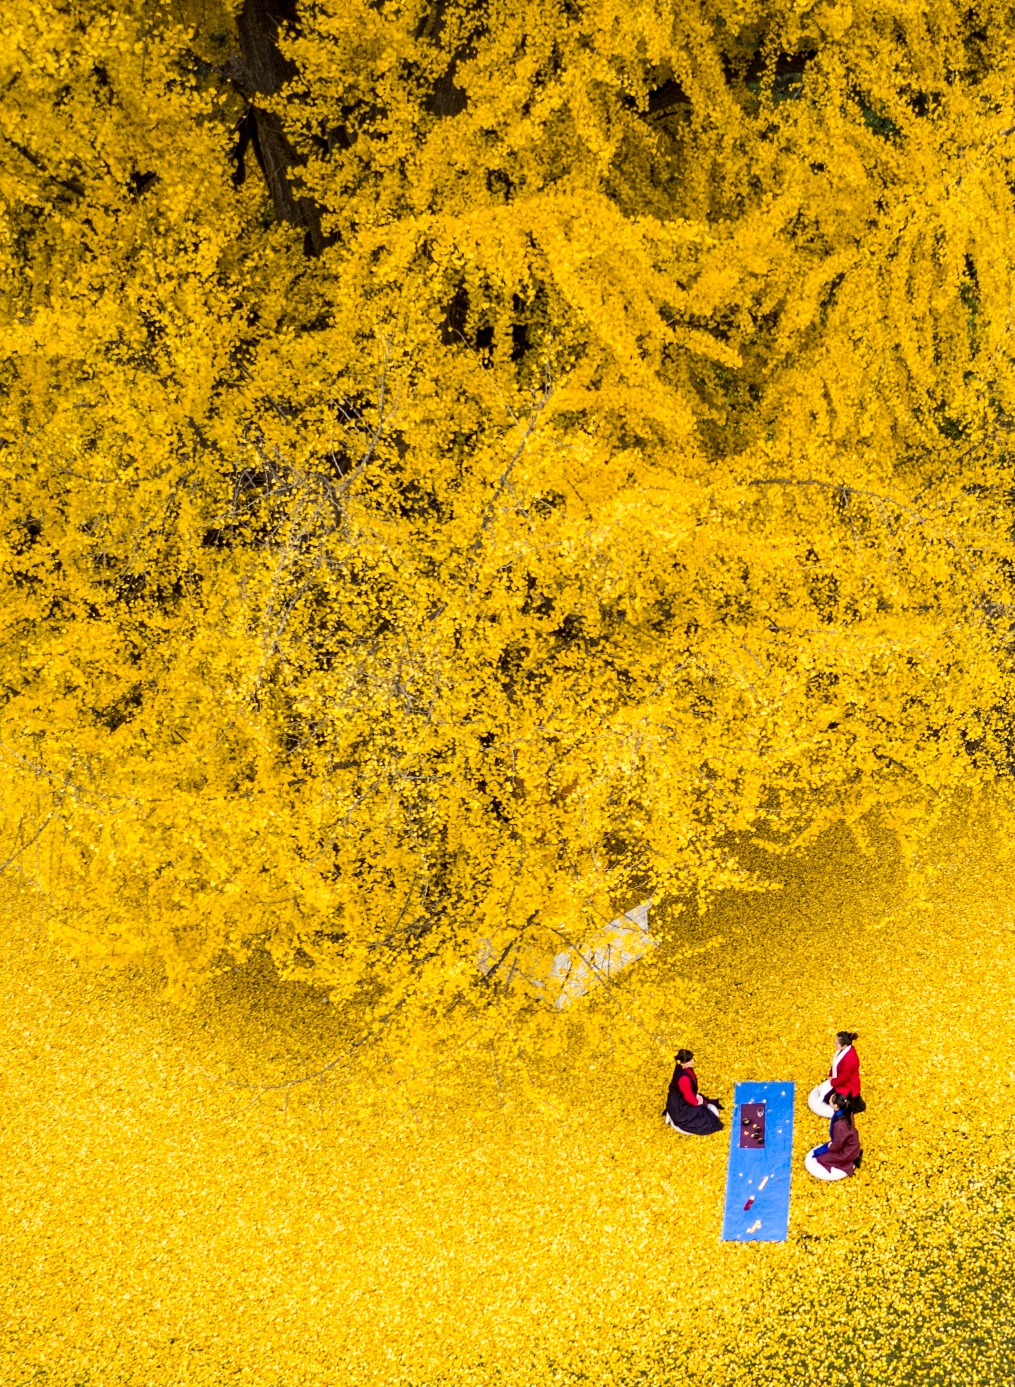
(697, 1121)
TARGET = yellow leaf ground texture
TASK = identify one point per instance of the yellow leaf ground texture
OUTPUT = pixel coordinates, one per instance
(170, 1218)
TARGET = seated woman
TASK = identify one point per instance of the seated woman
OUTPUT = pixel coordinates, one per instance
(686, 1109)
(843, 1077)
(841, 1153)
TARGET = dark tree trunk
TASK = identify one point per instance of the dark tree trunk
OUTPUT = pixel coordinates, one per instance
(260, 69)
(446, 98)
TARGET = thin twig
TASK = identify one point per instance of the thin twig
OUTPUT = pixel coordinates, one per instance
(16, 854)
(538, 406)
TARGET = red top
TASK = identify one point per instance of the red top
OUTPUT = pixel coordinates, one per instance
(687, 1089)
(845, 1075)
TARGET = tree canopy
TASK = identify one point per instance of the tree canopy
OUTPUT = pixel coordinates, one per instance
(467, 468)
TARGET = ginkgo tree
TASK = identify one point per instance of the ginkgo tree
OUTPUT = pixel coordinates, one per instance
(466, 469)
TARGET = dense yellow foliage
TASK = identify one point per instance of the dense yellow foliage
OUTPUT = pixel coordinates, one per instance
(600, 456)
(170, 1218)
(466, 471)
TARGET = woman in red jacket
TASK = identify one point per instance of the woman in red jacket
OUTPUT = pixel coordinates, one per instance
(687, 1110)
(841, 1153)
(843, 1077)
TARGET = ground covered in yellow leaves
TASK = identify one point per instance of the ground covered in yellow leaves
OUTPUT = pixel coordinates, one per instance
(484, 1217)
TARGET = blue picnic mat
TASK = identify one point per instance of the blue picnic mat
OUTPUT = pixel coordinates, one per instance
(760, 1174)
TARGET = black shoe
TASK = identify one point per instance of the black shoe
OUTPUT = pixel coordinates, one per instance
(858, 1162)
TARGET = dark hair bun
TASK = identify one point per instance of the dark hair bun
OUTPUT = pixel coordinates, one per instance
(844, 1103)
(684, 1056)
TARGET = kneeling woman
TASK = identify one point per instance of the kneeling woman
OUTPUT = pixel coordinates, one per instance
(843, 1077)
(841, 1153)
(686, 1109)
